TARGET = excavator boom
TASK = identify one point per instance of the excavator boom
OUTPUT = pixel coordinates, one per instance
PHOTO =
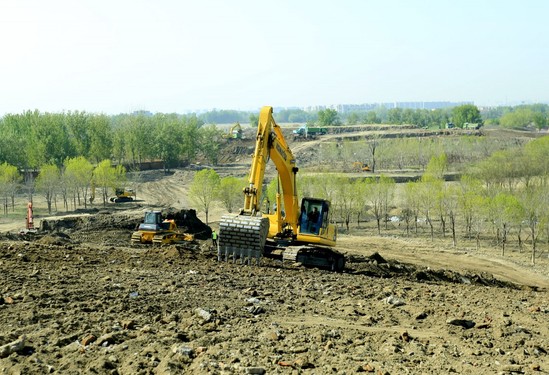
(245, 234)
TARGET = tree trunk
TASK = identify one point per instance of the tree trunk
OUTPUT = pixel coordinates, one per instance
(443, 225)
(453, 224)
(503, 239)
(432, 229)
(533, 244)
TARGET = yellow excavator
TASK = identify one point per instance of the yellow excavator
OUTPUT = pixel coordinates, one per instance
(235, 132)
(295, 231)
(122, 195)
(154, 230)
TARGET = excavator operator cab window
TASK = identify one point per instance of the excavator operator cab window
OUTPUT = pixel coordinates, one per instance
(314, 214)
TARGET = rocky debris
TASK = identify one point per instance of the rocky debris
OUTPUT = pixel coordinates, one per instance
(12, 347)
(88, 302)
(394, 301)
(461, 323)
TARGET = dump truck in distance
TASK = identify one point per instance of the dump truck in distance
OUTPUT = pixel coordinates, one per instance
(309, 131)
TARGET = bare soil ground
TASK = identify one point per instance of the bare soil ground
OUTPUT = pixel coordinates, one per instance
(78, 299)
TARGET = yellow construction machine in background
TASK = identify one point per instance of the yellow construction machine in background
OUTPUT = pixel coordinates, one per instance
(235, 132)
(122, 195)
(363, 167)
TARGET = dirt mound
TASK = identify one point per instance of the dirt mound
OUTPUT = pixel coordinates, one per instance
(377, 266)
(105, 220)
(188, 220)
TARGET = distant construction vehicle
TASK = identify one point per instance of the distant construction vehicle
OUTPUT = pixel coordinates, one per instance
(299, 232)
(309, 132)
(122, 195)
(154, 230)
(363, 167)
(235, 132)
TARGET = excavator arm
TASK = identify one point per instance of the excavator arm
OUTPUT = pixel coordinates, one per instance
(245, 235)
(270, 144)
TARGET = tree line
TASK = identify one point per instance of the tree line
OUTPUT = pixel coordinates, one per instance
(33, 138)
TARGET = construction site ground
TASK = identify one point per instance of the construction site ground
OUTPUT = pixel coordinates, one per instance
(79, 299)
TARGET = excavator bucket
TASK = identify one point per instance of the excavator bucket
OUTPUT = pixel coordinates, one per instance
(242, 237)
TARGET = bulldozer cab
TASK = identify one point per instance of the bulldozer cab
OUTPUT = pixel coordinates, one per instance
(152, 221)
(153, 217)
(314, 215)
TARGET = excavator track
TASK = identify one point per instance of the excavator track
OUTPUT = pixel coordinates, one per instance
(242, 238)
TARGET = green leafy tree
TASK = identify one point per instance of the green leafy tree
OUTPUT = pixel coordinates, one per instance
(138, 141)
(203, 189)
(353, 118)
(78, 176)
(107, 177)
(191, 138)
(432, 183)
(534, 201)
(230, 192)
(48, 182)
(394, 116)
(411, 205)
(14, 141)
(467, 113)
(210, 140)
(77, 125)
(9, 180)
(168, 139)
(505, 212)
(101, 138)
(328, 117)
(297, 115)
(470, 189)
(345, 201)
(536, 153)
(379, 194)
(371, 118)
(253, 120)
(521, 117)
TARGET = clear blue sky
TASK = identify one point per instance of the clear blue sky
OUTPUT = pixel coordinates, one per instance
(115, 56)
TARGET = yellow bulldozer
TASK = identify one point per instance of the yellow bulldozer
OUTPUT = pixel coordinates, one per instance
(154, 230)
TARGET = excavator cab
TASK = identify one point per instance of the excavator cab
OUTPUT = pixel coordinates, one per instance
(314, 215)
